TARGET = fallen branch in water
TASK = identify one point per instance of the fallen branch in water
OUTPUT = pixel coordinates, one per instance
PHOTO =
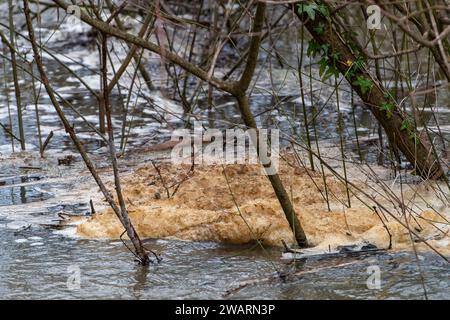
(46, 142)
(281, 277)
(91, 204)
(9, 132)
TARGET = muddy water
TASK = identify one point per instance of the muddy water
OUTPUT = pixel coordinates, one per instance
(40, 269)
(38, 258)
(35, 255)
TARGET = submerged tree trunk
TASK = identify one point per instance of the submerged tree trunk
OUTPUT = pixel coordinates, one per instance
(140, 252)
(15, 76)
(275, 180)
(350, 61)
(131, 232)
(240, 93)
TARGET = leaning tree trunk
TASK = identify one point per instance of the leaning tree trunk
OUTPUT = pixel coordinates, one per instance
(239, 91)
(275, 180)
(350, 61)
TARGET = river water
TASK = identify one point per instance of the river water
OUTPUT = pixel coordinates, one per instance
(39, 257)
(41, 268)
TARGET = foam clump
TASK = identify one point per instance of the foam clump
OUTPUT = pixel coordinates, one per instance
(204, 209)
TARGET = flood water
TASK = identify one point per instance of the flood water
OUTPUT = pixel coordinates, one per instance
(39, 256)
(41, 267)
(37, 259)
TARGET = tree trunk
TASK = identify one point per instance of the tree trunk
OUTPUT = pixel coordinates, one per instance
(240, 93)
(275, 180)
(415, 146)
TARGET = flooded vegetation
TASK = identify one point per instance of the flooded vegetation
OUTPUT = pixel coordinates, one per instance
(93, 204)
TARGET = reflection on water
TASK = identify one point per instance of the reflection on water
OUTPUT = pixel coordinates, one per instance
(12, 191)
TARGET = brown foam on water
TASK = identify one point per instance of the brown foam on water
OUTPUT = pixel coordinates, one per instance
(203, 209)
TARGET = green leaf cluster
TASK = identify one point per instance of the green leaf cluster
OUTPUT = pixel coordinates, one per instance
(388, 107)
(311, 9)
(363, 83)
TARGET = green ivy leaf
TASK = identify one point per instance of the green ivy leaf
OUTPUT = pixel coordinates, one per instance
(331, 71)
(325, 47)
(320, 28)
(363, 83)
(323, 65)
(388, 107)
(313, 49)
(309, 9)
(335, 57)
(323, 10)
(327, 69)
(405, 125)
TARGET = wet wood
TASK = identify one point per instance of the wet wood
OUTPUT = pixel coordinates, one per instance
(282, 278)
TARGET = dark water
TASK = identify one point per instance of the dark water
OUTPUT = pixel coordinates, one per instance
(39, 260)
(41, 269)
